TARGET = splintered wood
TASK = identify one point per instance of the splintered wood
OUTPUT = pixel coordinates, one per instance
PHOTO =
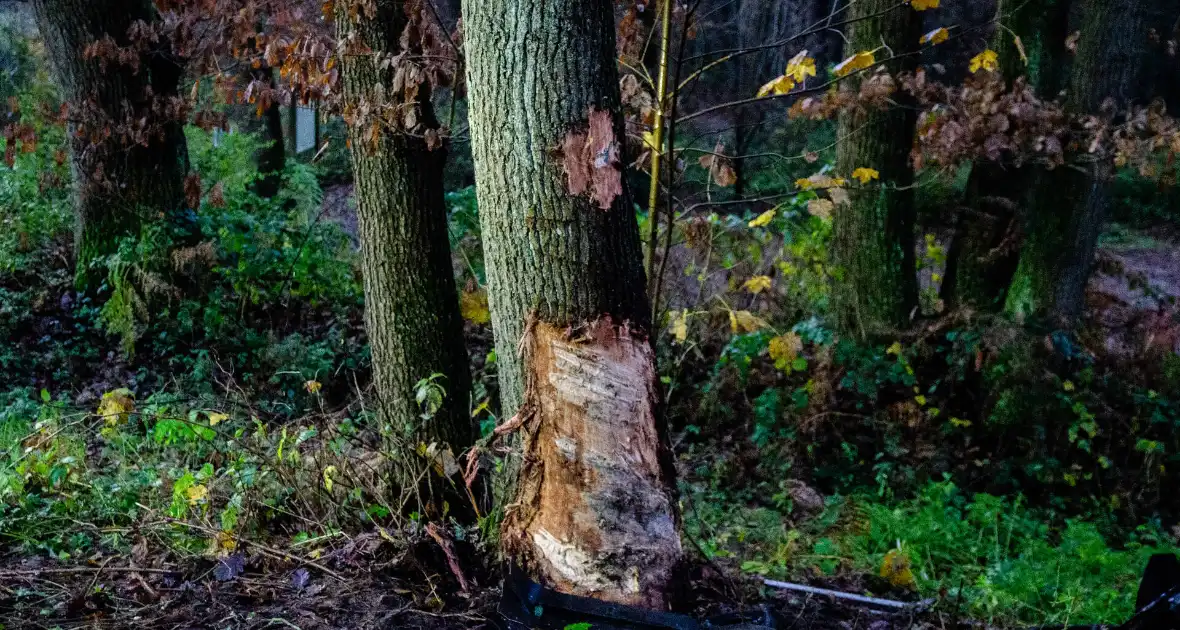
(595, 514)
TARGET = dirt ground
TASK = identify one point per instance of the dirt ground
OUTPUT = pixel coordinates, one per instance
(35, 594)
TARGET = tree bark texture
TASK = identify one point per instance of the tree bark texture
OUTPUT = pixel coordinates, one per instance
(1068, 207)
(1043, 27)
(592, 510)
(411, 304)
(122, 180)
(873, 242)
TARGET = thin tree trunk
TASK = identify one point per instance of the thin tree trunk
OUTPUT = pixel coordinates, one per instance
(120, 181)
(592, 510)
(273, 156)
(1068, 207)
(411, 305)
(874, 235)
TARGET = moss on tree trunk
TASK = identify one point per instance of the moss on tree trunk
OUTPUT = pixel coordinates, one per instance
(1067, 207)
(873, 244)
(979, 275)
(119, 184)
(593, 512)
(411, 305)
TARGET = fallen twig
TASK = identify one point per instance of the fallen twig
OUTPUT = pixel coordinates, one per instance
(888, 603)
(449, 550)
(266, 550)
(35, 572)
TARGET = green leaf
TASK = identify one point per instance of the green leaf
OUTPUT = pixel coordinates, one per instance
(582, 625)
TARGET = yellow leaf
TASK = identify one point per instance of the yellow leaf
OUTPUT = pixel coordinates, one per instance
(745, 321)
(764, 219)
(473, 306)
(935, 37)
(216, 418)
(986, 60)
(865, 175)
(896, 568)
(819, 181)
(959, 422)
(894, 349)
(821, 208)
(859, 61)
(1068, 386)
(922, 5)
(780, 85)
(680, 326)
(225, 541)
(313, 386)
(196, 494)
(328, 472)
(800, 67)
(649, 141)
(757, 284)
(784, 349)
(116, 406)
(921, 400)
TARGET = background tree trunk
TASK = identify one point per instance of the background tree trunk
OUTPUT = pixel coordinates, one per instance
(593, 511)
(1068, 207)
(273, 156)
(411, 305)
(978, 276)
(118, 183)
(874, 236)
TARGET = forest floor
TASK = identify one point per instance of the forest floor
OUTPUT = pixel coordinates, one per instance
(369, 581)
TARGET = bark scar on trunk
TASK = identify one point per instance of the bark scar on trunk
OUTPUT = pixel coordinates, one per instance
(590, 159)
(595, 514)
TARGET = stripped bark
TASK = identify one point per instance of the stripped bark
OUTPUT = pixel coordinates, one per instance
(593, 513)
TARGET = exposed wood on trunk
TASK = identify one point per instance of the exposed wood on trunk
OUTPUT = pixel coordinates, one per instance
(594, 515)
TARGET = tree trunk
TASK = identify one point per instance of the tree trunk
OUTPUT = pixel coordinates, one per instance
(978, 275)
(273, 156)
(135, 173)
(411, 305)
(592, 509)
(874, 236)
(1043, 27)
(1068, 207)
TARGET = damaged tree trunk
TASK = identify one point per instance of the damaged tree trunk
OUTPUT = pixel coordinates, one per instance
(590, 501)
